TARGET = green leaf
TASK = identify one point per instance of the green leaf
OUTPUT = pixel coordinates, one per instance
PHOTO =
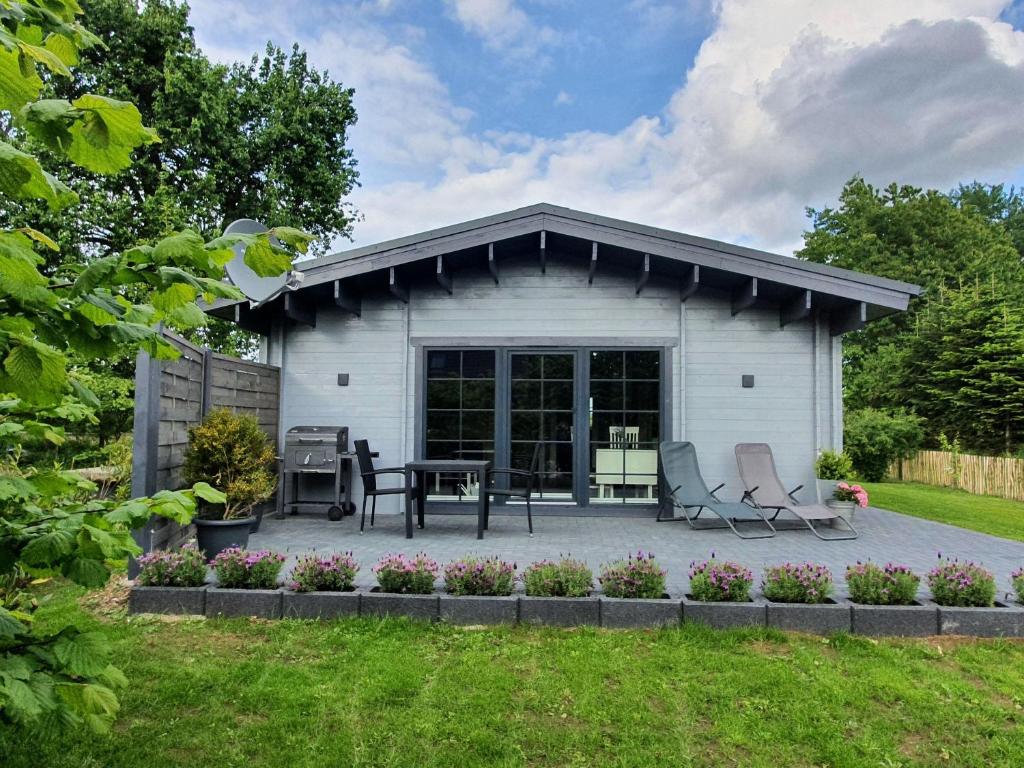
(207, 492)
(83, 393)
(94, 314)
(48, 548)
(293, 237)
(103, 139)
(96, 274)
(84, 654)
(10, 627)
(63, 47)
(266, 260)
(187, 316)
(17, 88)
(49, 120)
(96, 704)
(184, 246)
(39, 237)
(19, 698)
(87, 572)
(36, 372)
(131, 513)
(46, 57)
(22, 177)
(174, 296)
(19, 270)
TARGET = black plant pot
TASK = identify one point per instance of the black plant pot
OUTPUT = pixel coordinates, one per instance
(258, 511)
(214, 536)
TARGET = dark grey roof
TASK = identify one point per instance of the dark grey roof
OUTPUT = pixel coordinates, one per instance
(668, 248)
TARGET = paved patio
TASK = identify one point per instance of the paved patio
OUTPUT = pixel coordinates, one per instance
(884, 536)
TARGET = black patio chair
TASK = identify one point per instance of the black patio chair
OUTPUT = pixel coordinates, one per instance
(513, 493)
(369, 476)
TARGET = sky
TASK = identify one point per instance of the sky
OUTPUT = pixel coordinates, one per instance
(720, 118)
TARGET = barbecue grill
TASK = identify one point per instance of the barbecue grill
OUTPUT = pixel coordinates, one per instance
(315, 450)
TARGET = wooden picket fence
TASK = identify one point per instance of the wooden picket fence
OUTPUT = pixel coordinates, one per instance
(988, 475)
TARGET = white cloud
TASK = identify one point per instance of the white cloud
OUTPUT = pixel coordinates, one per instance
(503, 26)
(784, 102)
(563, 98)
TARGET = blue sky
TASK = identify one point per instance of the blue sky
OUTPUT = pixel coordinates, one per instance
(724, 118)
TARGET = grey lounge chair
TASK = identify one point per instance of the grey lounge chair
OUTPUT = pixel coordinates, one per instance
(757, 468)
(688, 491)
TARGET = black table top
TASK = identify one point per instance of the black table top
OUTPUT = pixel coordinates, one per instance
(448, 465)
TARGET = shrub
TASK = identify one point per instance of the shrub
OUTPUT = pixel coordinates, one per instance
(962, 584)
(797, 583)
(1017, 579)
(333, 573)
(240, 569)
(847, 492)
(833, 466)
(479, 576)
(566, 578)
(184, 567)
(637, 576)
(230, 452)
(874, 439)
(892, 585)
(408, 575)
(715, 581)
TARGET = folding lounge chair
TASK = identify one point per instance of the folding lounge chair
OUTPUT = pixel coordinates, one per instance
(763, 487)
(687, 491)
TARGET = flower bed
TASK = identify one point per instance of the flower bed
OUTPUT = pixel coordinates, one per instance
(962, 585)
(797, 583)
(241, 569)
(893, 584)
(1017, 579)
(183, 567)
(333, 573)
(638, 576)
(716, 581)
(406, 575)
(480, 576)
(565, 578)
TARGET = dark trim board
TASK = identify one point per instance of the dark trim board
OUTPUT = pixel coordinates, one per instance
(556, 342)
(540, 509)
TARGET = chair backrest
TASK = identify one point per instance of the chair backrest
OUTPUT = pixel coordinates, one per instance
(757, 469)
(624, 437)
(682, 473)
(531, 483)
(365, 465)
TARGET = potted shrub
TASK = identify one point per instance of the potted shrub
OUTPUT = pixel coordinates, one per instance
(479, 591)
(549, 583)
(846, 498)
(170, 581)
(246, 584)
(230, 452)
(797, 595)
(966, 594)
(638, 576)
(406, 587)
(720, 595)
(830, 468)
(322, 587)
(885, 601)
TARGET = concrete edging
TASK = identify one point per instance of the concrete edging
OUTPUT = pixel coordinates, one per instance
(841, 615)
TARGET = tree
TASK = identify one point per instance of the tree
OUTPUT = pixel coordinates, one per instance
(50, 520)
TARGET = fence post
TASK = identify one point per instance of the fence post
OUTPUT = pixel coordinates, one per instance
(145, 437)
(206, 403)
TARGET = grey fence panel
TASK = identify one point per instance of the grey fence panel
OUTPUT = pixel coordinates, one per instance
(173, 395)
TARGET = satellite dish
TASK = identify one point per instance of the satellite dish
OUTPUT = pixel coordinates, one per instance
(257, 288)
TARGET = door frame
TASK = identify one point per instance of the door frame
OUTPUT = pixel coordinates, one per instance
(581, 350)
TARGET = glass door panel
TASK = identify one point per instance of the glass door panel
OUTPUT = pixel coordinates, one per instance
(624, 418)
(542, 396)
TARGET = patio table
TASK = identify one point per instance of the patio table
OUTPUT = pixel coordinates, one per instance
(419, 469)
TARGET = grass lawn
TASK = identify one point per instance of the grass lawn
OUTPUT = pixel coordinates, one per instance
(395, 693)
(988, 514)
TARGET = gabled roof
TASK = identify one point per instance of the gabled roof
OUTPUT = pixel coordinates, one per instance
(752, 274)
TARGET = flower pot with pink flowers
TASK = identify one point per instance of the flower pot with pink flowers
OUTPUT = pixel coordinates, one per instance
(846, 498)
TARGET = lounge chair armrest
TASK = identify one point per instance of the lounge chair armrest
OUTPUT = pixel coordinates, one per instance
(716, 489)
(796, 489)
(749, 494)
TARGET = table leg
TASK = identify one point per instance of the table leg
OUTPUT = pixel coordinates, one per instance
(481, 511)
(337, 483)
(421, 502)
(348, 488)
(408, 505)
(279, 512)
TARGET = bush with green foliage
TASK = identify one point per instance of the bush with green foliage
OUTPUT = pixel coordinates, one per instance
(317, 573)
(111, 306)
(833, 465)
(479, 576)
(183, 567)
(638, 575)
(717, 581)
(962, 584)
(797, 583)
(565, 578)
(1017, 579)
(406, 575)
(893, 584)
(238, 568)
(874, 439)
(230, 452)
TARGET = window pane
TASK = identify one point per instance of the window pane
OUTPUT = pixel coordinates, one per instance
(526, 395)
(443, 393)
(443, 365)
(606, 395)
(478, 364)
(442, 425)
(558, 367)
(477, 425)
(642, 365)
(438, 449)
(558, 395)
(478, 394)
(606, 365)
(646, 423)
(642, 395)
(557, 425)
(526, 366)
(526, 425)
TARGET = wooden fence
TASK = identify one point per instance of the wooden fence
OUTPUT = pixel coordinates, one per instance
(988, 475)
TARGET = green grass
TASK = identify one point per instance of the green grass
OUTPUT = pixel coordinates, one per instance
(393, 693)
(988, 514)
